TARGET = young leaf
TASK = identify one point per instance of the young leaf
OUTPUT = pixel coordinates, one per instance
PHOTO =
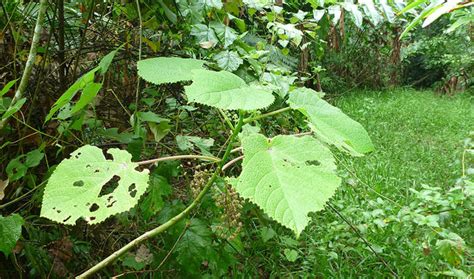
(78, 187)
(213, 4)
(439, 11)
(224, 33)
(85, 84)
(7, 87)
(192, 248)
(153, 202)
(204, 34)
(330, 124)
(82, 82)
(318, 14)
(187, 142)
(287, 177)
(88, 94)
(168, 69)
(357, 15)
(225, 90)
(18, 167)
(426, 11)
(10, 232)
(335, 12)
(387, 9)
(228, 60)
(369, 8)
(13, 109)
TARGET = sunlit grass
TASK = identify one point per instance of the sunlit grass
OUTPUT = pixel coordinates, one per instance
(419, 140)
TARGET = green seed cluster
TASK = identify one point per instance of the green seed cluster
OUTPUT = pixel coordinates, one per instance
(231, 204)
(201, 176)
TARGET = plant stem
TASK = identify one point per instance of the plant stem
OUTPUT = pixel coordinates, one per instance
(137, 241)
(31, 57)
(62, 63)
(231, 162)
(251, 119)
(226, 119)
(178, 157)
(356, 230)
(2, 206)
(140, 34)
(83, 37)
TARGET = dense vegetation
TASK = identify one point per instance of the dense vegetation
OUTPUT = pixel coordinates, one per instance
(236, 138)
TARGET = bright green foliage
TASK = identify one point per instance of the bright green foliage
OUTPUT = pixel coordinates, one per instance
(81, 83)
(77, 188)
(10, 232)
(228, 60)
(153, 202)
(330, 124)
(18, 167)
(9, 111)
(168, 69)
(205, 35)
(291, 255)
(222, 90)
(224, 33)
(5, 110)
(7, 87)
(432, 10)
(188, 142)
(287, 177)
(225, 90)
(194, 244)
(86, 84)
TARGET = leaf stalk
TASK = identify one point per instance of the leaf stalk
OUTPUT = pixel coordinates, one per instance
(251, 119)
(149, 234)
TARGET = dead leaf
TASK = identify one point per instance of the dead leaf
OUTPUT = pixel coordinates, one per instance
(61, 252)
(143, 255)
(206, 45)
(3, 186)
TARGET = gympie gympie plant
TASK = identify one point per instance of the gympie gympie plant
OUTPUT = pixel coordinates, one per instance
(287, 176)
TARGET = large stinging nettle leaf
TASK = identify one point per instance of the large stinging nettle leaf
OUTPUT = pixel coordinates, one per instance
(330, 124)
(168, 69)
(225, 90)
(287, 177)
(75, 189)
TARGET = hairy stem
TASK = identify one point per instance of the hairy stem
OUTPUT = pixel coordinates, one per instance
(251, 119)
(31, 56)
(178, 157)
(231, 162)
(226, 119)
(142, 238)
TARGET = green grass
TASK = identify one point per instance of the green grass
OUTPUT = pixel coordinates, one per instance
(418, 138)
(419, 141)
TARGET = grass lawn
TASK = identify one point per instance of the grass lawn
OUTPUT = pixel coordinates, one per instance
(419, 139)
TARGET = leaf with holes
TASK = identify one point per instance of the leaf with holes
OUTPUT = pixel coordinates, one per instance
(330, 124)
(89, 186)
(287, 177)
(168, 69)
(225, 90)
